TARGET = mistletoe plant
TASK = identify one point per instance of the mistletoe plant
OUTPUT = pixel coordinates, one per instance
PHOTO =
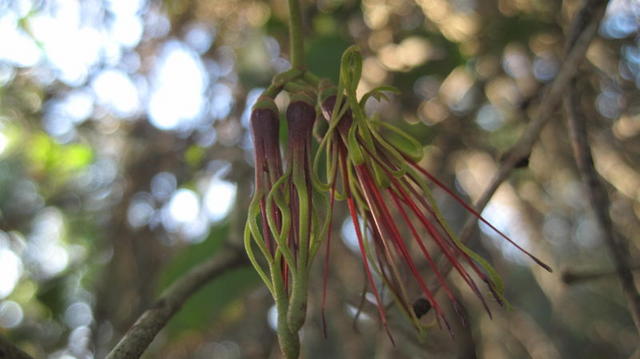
(373, 167)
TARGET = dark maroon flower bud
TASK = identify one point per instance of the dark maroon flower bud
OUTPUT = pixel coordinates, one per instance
(268, 163)
(328, 102)
(301, 115)
(264, 130)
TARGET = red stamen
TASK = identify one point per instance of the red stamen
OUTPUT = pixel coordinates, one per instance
(438, 239)
(477, 215)
(433, 231)
(365, 261)
(377, 202)
(363, 252)
(423, 249)
(458, 251)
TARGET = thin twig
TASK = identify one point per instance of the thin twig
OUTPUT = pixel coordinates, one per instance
(586, 30)
(600, 203)
(548, 105)
(598, 197)
(574, 277)
(142, 333)
(10, 351)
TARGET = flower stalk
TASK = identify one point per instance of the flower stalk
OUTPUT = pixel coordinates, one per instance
(296, 39)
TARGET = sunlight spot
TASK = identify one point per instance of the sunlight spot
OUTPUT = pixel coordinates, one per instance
(199, 38)
(349, 235)
(508, 221)
(71, 47)
(45, 249)
(79, 339)
(11, 269)
(196, 231)
(126, 30)
(78, 105)
(221, 101)
(4, 142)
(17, 47)
(53, 259)
(272, 317)
(125, 7)
(184, 206)
(78, 314)
(353, 311)
(179, 83)
(23, 7)
(219, 199)
(489, 117)
(115, 90)
(545, 68)
(141, 210)
(7, 74)
(163, 185)
(11, 314)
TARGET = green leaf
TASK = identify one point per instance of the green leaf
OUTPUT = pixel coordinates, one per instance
(46, 154)
(194, 156)
(75, 157)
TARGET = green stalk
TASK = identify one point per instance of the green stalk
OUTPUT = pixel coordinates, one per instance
(298, 308)
(288, 339)
(295, 35)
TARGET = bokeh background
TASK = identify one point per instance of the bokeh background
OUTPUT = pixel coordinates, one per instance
(125, 160)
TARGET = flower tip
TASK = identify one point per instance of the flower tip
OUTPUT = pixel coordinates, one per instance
(543, 265)
(421, 307)
(265, 103)
(264, 123)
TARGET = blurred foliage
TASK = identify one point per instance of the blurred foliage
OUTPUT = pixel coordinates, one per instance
(204, 308)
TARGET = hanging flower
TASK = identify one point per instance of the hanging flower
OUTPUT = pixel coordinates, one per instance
(282, 222)
(264, 124)
(374, 167)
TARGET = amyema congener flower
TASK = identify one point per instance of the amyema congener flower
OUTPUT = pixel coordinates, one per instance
(374, 167)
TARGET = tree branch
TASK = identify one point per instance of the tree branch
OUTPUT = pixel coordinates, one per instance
(144, 330)
(573, 277)
(599, 199)
(10, 351)
(585, 27)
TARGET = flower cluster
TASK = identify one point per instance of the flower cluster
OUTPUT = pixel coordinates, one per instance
(281, 221)
(372, 166)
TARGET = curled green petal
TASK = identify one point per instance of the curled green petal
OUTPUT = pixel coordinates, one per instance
(280, 237)
(378, 93)
(252, 258)
(351, 69)
(404, 142)
(355, 152)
